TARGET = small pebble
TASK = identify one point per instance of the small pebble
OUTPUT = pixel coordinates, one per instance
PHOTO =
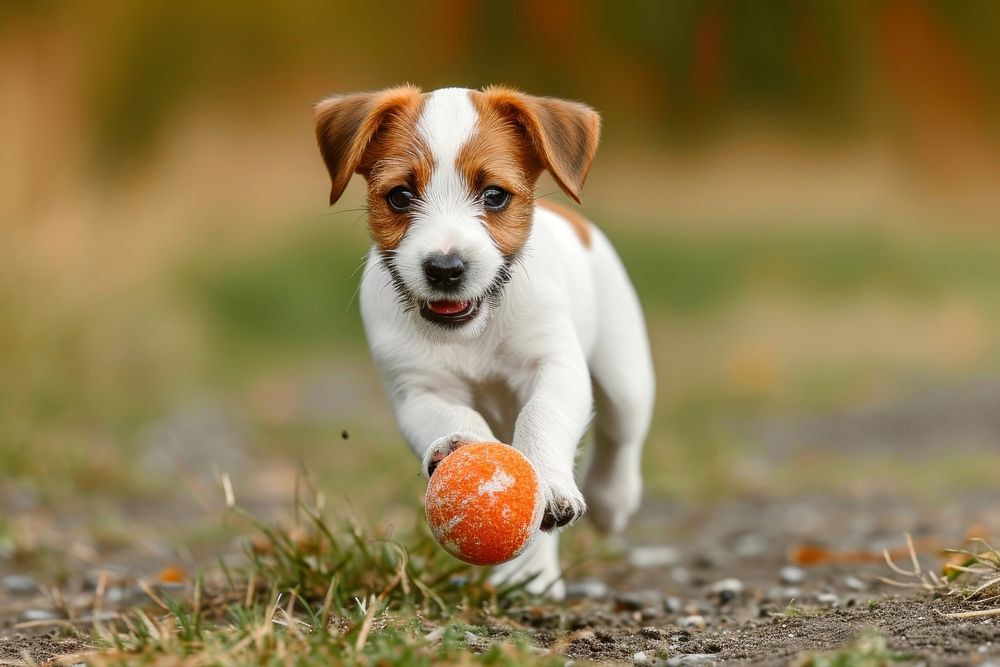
(726, 589)
(732, 585)
(650, 613)
(692, 659)
(638, 600)
(673, 604)
(587, 588)
(750, 544)
(828, 599)
(653, 556)
(19, 584)
(854, 583)
(792, 575)
(649, 632)
(680, 575)
(693, 621)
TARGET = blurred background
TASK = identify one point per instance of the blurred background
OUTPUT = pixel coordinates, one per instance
(806, 195)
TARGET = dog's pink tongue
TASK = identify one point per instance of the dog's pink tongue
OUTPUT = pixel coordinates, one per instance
(448, 307)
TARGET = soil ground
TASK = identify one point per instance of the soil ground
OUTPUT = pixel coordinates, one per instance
(714, 582)
(744, 578)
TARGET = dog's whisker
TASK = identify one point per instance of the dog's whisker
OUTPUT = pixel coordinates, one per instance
(547, 194)
(346, 210)
(357, 290)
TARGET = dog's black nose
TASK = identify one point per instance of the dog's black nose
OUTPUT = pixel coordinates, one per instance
(444, 272)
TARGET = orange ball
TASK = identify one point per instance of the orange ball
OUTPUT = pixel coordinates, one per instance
(484, 503)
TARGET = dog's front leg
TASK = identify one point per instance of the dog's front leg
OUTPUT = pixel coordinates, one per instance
(434, 425)
(550, 426)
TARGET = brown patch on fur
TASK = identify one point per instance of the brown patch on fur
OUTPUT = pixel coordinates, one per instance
(575, 219)
(499, 153)
(563, 135)
(375, 135)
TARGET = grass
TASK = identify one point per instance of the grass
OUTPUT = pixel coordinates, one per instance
(868, 649)
(320, 591)
(744, 324)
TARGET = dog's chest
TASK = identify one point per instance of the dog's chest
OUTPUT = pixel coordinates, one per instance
(499, 405)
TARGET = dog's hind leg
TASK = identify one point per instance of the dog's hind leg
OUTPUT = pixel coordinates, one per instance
(538, 565)
(621, 367)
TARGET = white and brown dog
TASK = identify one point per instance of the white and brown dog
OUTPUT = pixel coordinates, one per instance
(490, 316)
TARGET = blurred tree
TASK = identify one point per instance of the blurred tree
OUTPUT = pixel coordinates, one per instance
(677, 71)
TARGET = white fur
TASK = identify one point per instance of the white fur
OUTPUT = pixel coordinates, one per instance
(447, 216)
(522, 372)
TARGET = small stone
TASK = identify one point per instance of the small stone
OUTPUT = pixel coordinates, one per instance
(19, 584)
(640, 658)
(31, 615)
(854, 583)
(732, 585)
(792, 575)
(587, 588)
(680, 575)
(637, 600)
(649, 632)
(692, 659)
(650, 613)
(726, 589)
(693, 621)
(653, 556)
(828, 599)
(750, 544)
(673, 605)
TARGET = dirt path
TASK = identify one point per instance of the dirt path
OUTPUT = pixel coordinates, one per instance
(762, 581)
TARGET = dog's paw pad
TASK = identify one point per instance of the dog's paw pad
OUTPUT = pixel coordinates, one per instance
(440, 449)
(561, 511)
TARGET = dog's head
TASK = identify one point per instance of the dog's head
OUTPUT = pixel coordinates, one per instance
(451, 176)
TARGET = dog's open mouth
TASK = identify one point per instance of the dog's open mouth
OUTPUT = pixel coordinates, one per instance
(449, 313)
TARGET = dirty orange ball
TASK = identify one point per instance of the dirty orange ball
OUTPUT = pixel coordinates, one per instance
(484, 503)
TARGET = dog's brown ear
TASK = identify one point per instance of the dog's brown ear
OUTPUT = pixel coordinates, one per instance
(564, 134)
(346, 125)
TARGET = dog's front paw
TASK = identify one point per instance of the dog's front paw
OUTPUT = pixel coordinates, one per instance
(441, 448)
(564, 504)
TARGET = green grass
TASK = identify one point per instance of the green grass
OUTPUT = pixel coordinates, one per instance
(868, 649)
(692, 275)
(302, 292)
(327, 591)
(86, 375)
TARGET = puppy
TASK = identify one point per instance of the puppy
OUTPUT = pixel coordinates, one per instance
(492, 316)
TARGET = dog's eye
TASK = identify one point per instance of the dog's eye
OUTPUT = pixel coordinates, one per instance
(495, 199)
(399, 199)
